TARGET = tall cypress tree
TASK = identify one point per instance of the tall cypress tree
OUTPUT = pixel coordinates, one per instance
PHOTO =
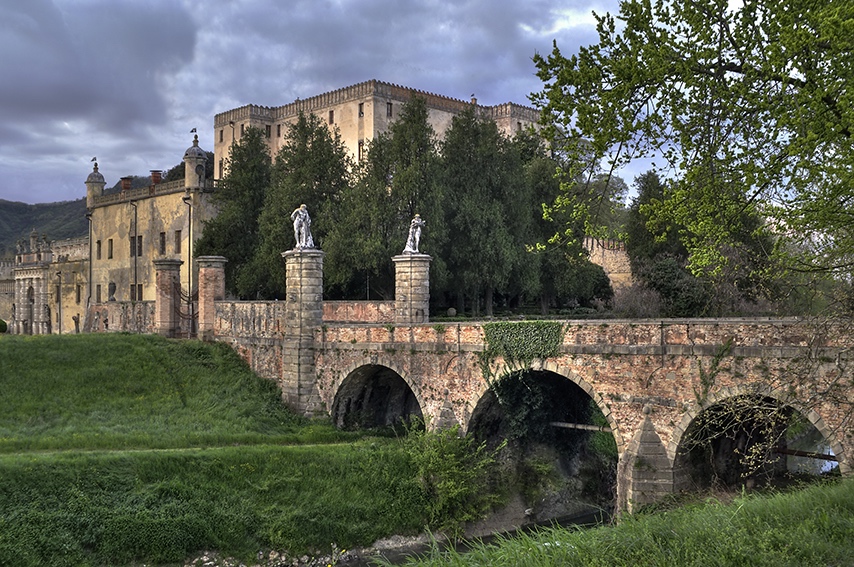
(312, 168)
(396, 180)
(234, 231)
(489, 217)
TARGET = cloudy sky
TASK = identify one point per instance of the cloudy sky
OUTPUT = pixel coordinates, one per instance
(126, 80)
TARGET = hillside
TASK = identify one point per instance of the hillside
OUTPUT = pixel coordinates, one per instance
(66, 219)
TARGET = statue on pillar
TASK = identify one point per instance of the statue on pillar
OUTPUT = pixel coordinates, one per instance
(414, 238)
(302, 227)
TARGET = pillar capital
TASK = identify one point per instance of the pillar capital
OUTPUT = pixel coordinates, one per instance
(211, 261)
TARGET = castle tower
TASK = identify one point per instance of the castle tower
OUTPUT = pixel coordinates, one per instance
(194, 166)
(94, 186)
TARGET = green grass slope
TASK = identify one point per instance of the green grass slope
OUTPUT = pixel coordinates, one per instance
(805, 528)
(122, 448)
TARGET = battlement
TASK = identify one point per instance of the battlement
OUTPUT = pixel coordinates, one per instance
(360, 91)
(167, 188)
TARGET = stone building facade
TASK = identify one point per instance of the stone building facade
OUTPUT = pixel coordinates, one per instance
(360, 112)
(58, 287)
(132, 228)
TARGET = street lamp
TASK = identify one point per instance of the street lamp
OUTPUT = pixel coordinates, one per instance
(135, 249)
(188, 200)
(59, 302)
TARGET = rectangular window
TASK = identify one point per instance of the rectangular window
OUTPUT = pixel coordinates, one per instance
(388, 109)
(220, 169)
(331, 116)
(132, 246)
(98, 250)
(139, 245)
(98, 293)
(518, 126)
(278, 130)
(267, 129)
(110, 249)
(139, 292)
(220, 135)
(132, 292)
(361, 109)
(177, 242)
(77, 293)
(162, 243)
(359, 154)
(242, 129)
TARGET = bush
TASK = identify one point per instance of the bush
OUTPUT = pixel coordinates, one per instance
(458, 477)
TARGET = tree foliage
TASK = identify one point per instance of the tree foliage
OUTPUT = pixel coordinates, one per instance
(396, 180)
(749, 108)
(312, 168)
(234, 231)
(490, 213)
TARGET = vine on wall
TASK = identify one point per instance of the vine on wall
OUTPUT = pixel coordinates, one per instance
(519, 344)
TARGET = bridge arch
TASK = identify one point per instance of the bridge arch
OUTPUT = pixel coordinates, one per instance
(547, 414)
(373, 393)
(681, 432)
(567, 373)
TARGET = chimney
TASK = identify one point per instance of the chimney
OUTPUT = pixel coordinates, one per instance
(156, 176)
(126, 183)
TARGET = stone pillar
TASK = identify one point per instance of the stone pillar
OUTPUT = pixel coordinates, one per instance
(303, 316)
(411, 288)
(644, 473)
(211, 289)
(167, 301)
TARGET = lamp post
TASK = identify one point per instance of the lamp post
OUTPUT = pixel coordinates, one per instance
(188, 200)
(59, 302)
(89, 286)
(135, 249)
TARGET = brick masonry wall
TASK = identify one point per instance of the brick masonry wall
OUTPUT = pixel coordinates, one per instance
(358, 311)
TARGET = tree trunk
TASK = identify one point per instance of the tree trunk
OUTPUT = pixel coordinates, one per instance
(487, 300)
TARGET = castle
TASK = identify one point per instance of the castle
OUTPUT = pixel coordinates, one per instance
(360, 113)
(52, 287)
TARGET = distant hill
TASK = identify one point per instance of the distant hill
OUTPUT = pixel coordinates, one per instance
(58, 221)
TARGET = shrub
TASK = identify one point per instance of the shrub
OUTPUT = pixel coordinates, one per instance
(458, 477)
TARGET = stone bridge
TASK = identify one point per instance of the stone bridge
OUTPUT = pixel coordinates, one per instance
(651, 379)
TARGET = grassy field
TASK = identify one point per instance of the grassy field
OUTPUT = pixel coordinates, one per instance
(118, 448)
(811, 527)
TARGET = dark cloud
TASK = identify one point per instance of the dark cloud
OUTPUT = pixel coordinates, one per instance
(126, 80)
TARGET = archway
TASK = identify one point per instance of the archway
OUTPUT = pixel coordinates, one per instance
(560, 449)
(374, 396)
(747, 440)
